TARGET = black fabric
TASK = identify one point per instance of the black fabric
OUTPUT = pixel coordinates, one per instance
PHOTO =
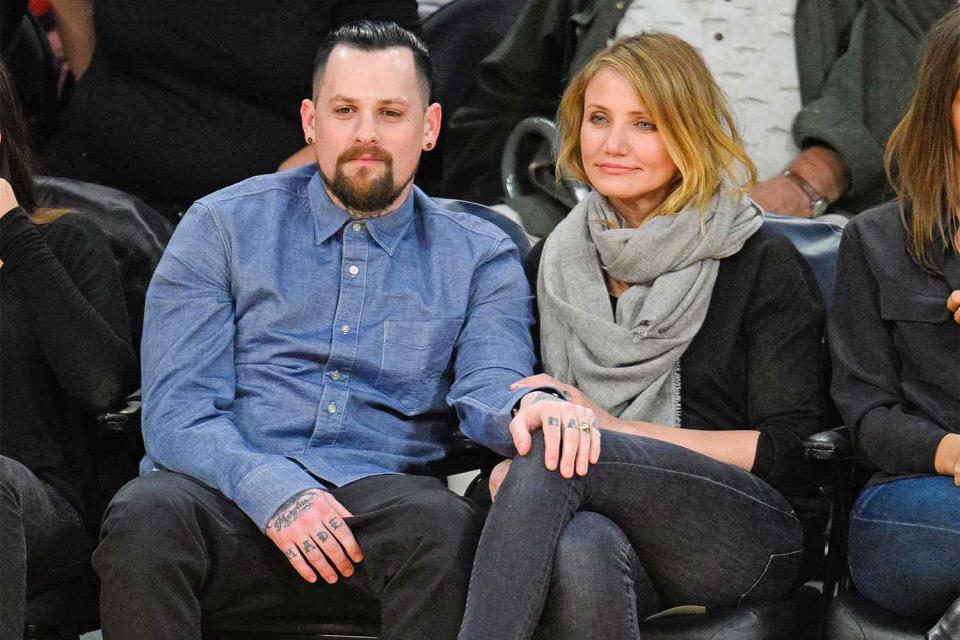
(183, 98)
(751, 365)
(206, 562)
(65, 349)
(894, 346)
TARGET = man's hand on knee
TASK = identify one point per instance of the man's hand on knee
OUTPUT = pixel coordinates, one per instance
(570, 432)
(310, 531)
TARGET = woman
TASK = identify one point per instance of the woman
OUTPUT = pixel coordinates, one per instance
(895, 349)
(663, 304)
(65, 354)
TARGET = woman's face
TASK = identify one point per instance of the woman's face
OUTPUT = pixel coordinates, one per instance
(623, 153)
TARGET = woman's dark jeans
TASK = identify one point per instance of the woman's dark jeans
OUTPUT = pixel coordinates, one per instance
(905, 545)
(41, 537)
(700, 532)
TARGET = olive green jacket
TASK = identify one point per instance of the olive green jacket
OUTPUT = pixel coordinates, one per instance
(855, 60)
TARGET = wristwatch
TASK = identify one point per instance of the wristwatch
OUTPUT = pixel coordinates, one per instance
(818, 203)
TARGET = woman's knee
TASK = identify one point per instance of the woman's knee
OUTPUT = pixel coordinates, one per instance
(593, 549)
(902, 533)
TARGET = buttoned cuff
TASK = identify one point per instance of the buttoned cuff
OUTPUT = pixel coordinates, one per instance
(262, 492)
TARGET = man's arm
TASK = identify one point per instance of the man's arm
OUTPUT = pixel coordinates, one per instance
(493, 350)
(189, 378)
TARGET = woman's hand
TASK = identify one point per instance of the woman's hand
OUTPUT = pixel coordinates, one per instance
(8, 200)
(574, 395)
(497, 475)
(953, 304)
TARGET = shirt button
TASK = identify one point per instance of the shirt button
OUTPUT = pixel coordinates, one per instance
(357, 226)
(718, 36)
(354, 269)
(331, 408)
(335, 375)
(345, 328)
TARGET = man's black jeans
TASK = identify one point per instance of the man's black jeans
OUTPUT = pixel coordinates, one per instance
(174, 552)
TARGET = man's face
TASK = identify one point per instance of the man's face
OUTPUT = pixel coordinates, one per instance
(369, 125)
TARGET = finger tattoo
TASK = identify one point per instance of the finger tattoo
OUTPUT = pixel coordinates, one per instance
(290, 553)
(571, 424)
(308, 546)
(335, 524)
(322, 536)
(553, 421)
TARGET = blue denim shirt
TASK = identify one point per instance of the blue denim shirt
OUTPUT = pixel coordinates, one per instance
(284, 342)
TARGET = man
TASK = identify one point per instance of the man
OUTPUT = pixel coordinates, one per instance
(310, 338)
(817, 87)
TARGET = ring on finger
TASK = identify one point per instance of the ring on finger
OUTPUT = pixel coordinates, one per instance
(585, 427)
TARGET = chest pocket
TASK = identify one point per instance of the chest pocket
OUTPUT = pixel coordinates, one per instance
(415, 368)
(922, 326)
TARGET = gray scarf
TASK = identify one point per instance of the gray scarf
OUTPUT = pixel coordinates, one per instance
(629, 364)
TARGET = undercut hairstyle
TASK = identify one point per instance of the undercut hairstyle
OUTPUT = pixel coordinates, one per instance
(921, 154)
(688, 108)
(367, 35)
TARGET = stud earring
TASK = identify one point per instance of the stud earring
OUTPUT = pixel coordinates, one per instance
(309, 140)
(428, 146)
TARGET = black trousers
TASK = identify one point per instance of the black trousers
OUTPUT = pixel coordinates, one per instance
(175, 554)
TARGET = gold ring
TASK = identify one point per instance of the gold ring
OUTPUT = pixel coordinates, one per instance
(585, 427)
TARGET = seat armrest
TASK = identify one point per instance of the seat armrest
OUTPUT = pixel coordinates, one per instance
(124, 419)
(833, 445)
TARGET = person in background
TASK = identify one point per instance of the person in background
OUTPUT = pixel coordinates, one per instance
(894, 339)
(66, 354)
(815, 85)
(694, 335)
(177, 99)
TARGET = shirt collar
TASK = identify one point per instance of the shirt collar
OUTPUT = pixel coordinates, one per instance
(386, 230)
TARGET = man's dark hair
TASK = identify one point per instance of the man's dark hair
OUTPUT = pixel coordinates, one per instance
(367, 35)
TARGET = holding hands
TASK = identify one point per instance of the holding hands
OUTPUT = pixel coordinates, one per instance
(310, 531)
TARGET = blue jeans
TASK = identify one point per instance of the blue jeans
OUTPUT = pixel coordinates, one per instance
(689, 530)
(905, 545)
(42, 539)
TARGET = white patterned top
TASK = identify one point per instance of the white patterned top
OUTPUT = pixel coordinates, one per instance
(749, 47)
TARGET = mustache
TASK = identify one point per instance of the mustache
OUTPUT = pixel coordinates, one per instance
(355, 153)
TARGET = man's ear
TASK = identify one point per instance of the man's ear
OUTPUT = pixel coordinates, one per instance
(307, 117)
(431, 126)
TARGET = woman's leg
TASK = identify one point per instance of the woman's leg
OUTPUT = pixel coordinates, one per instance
(706, 532)
(39, 534)
(905, 545)
(599, 589)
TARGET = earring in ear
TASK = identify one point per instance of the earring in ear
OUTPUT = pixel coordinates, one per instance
(428, 146)
(309, 140)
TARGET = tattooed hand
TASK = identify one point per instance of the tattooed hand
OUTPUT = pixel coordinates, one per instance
(570, 432)
(309, 530)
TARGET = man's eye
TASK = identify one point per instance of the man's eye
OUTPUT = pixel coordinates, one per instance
(343, 110)
(390, 113)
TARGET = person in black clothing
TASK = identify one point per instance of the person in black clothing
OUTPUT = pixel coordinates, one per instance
(65, 354)
(175, 100)
(895, 341)
(694, 335)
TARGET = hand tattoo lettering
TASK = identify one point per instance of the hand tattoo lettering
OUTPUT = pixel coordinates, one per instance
(291, 510)
(553, 421)
(335, 524)
(571, 424)
(290, 553)
(541, 396)
(322, 536)
(308, 546)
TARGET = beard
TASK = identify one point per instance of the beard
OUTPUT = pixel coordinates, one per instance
(363, 195)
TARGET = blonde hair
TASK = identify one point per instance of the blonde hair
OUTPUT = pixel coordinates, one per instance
(921, 154)
(684, 102)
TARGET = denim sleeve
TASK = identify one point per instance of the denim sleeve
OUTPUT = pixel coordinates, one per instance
(494, 349)
(189, 378)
